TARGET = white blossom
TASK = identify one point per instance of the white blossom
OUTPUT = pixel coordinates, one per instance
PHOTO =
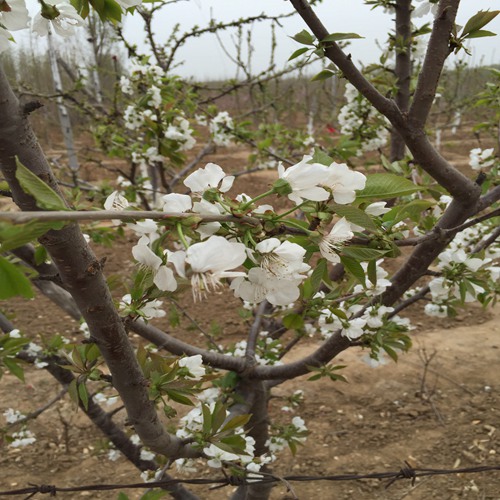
(212, 260)
(125, 85)
(480, 159)
(425, 8)
(113, 455)
(260, 285)
(147, 455)
(14, 15)
(344, 182)
(22, 438)
(181, 131)
(209, 177)
(436, 310)
(332, 242)
(63, 24)
(194, 364)
(218, 456)
(377, 208)
(12, 416)
(116, 201)
(221, 127)
(305, 179)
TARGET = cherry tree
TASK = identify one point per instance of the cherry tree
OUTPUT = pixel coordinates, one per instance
(314, 269)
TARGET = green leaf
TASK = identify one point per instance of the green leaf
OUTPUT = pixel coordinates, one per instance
(218, 417)
(298, 53)
(122, 496)
(14, 368)
(13, 281)
(335, 37)
(16, 235)
(293, 321)
(380, 186)
(235, 422)
(304, 37)
(178, 397)
(73, 391)
(480, 34)
(83, 395)
(354, 267)
(362, 253)
(154, 495)
(477, 21)
(412, 210)
(317, 274)
(232, 444)
(372, 271)
(320, 156)
(355, 215)
(207, 419)
(112, 10)
(40, 255)
(44, 195)
(322, 75)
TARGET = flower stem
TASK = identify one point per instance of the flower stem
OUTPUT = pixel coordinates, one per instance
(180, 232)
(288, 212)
(257, 198)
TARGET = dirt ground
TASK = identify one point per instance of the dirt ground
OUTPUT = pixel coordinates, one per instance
(438, 407)
(384, 416)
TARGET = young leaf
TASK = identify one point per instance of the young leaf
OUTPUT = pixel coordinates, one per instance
(44, 195)
(318, 273)
(298, 53)
(335, 37)
(293, 321)
(235, 422)
(83, 395)
(362, 253)
(354, 267)
(477, 21)
(14, 368)
(322, 75)
(480, 34)
(304, 37)
(355, 215)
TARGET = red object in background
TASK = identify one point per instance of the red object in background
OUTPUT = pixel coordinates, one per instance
(331, 129)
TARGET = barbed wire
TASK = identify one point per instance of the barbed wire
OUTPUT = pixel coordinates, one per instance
(406, 472)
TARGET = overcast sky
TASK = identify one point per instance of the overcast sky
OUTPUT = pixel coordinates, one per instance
(205, 59)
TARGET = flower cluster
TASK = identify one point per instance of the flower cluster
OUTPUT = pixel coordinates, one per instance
(481, 158)
(356, 320)
(220, 127)
(267, 350)
(359, 120)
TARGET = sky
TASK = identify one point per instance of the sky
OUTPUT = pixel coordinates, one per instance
(204, 57)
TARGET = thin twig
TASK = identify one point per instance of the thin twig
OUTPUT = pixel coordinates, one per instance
(253, 335)
(39, 411)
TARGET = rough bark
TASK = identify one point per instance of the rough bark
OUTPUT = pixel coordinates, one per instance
(403, 72)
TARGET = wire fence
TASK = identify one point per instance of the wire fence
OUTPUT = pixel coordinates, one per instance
(406, 472)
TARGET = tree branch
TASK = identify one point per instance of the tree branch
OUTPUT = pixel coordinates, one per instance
(343, 61)
(437, 52)
(171, 344)
(125, 215)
